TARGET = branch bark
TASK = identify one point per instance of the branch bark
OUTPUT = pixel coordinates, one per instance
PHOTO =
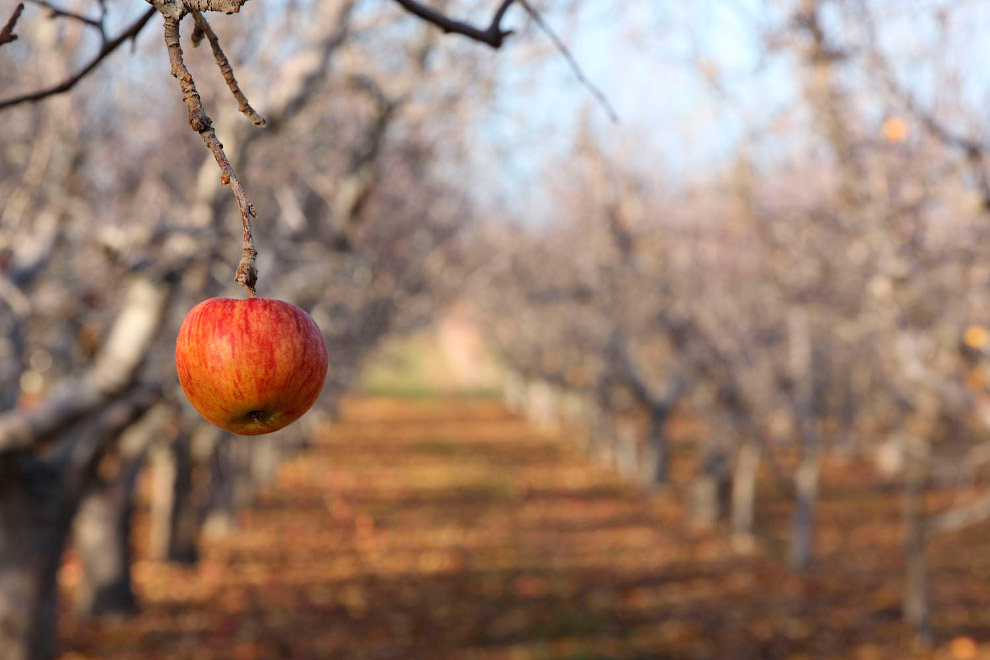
(199, 121)
(493, 35)
(203, 27)
(7, 33)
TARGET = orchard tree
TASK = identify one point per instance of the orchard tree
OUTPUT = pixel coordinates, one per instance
(87, 368)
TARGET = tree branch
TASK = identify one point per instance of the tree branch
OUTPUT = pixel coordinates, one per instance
(113, 370)
(55, 12)
(64, 86)
(630, 373)
(247, 273)
(7, 33)
(202, 26)
(493, 35)
(575, 67)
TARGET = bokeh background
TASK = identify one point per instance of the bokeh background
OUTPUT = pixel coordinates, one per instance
(709, 381)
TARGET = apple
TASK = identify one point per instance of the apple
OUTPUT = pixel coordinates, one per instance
(250, 366)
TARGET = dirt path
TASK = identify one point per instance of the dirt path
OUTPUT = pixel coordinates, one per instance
(446, 529)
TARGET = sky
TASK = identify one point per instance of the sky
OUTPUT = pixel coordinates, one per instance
(643, 60)
(648, 57)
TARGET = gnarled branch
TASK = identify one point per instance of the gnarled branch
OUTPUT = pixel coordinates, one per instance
(199, 121)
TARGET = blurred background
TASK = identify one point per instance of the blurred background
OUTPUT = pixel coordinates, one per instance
(706, 381)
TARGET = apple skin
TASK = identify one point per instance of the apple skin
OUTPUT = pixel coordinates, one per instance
(250, 366)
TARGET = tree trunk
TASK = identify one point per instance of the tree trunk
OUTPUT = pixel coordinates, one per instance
(656, 460)
(266, 456)
(917, 602)
(174, 518)
(541, 405)
(602, 440)
(710, 490)
(230, 487)
(102, 528)
(34, 521)
(102, 537)
(626, 448)
(744, 495)
(514, 392)
(806, 495)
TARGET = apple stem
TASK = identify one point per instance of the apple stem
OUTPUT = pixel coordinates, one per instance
(199, 121)
(247, 273)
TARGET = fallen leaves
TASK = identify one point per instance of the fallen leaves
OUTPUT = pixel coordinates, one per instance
(447, 529)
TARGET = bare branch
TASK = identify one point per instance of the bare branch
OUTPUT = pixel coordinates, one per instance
(112, 373)
(493, 35)
(247, 273)
(55, 12)
(562, 47)
(224, 6)
(176, 9)
(64, 86)
(633, 377)
(197, 36)
(7, 33)
(228, 72)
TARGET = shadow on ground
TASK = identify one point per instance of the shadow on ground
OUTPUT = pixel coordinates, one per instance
(435, 530)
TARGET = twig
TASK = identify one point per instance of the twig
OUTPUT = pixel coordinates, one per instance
(54, 12)
(64, 86)
(562, 47)
(493, 35)
(228, 73)
(197, 36)
(247, 273)
(7, 33)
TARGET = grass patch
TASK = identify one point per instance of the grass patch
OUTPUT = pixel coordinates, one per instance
(415, 367)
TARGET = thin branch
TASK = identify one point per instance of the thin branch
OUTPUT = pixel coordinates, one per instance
(197, 36)
(493, 35)
(575, 67)
(110, 46)
(55, 12)
(247, 273)
(228, 72)
(7, 33)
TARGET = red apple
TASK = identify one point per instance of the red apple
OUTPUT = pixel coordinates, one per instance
(250, 366)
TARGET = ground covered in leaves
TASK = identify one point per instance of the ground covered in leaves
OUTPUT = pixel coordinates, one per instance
(440, 529)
